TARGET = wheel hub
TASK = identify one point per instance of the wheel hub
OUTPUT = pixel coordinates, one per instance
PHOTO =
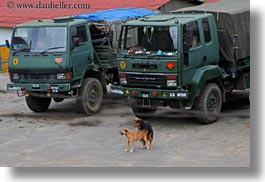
(92, 96)
(212, 103)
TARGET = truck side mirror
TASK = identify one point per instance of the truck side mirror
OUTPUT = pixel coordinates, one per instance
(7, 44)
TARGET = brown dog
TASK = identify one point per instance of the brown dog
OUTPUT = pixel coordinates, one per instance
(142, 125)
(134, 136)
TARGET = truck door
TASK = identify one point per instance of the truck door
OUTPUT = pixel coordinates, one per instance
(80, 49)
(192, 51)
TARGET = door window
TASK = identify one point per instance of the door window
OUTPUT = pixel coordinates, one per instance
(206, 30)
(80, 33)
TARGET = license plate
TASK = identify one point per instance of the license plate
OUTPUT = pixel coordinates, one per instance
(35, 86)
(55, 89)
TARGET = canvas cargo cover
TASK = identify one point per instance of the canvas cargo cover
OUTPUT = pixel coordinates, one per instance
(116, 14)
(233, 25)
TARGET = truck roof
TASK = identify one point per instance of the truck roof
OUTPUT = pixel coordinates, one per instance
(166, 19)
(61, 21)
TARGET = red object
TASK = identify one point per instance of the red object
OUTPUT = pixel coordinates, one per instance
(122, 75)
(49, 89)
(11, 14)
(22, 88)
(58, 60)
(170, 65)
(171, 77)
(155, 93)
(211, 1)
(134, 92)
(68, 76)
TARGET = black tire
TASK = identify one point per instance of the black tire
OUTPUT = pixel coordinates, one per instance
(142, 111)
(209, 103)
(90, 96)
(38, 104)
(57, 99)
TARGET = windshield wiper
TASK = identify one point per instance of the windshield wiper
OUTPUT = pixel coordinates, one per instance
(23, 49)
(51, 48)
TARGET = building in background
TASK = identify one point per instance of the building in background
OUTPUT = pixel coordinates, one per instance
(12, 14)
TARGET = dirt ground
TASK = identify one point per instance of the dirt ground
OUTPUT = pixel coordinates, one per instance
(62, 137)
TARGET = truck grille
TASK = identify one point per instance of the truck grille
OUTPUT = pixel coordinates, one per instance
(40, 76)
(147, 81)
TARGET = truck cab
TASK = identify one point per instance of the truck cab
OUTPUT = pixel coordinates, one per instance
(59, 58)
(167, 60)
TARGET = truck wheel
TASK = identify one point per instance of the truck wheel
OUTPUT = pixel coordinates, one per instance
(38, 104)
(209, 103)
(56, 99)
(90, 97)
(140, 111)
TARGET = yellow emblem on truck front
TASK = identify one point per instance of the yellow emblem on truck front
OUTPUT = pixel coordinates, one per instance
(15, 61)
(122, 64)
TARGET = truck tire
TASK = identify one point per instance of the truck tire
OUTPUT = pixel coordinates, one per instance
(90, 96)
(140, 111)
(209, 103)
(57, 99)
(38, 104)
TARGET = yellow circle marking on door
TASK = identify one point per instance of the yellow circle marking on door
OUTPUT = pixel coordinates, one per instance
(15, 61)
(122, 64)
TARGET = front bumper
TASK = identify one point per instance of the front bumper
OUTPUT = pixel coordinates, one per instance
(43, 87)
(148, 93)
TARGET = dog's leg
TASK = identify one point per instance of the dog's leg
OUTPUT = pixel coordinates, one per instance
(150, 139)
(148, 145)
(131, 147)
(126, 149)
(147, 142)
(143, 142)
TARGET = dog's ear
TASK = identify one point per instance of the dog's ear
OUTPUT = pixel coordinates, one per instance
(126, 130)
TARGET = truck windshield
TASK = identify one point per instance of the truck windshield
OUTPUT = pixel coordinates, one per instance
(163, 39)
(40, 39)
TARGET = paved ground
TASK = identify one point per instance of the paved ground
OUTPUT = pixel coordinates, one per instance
(63, 137)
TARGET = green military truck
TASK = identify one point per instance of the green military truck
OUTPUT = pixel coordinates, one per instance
(67, 57)
(61, 58)
(188, 59)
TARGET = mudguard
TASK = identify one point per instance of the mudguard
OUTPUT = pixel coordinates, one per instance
(202, 75)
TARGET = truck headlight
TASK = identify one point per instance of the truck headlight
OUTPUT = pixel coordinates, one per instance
(61, 76)
(15, 76)
(123, 79)
(172, 80)
(171, 83)
(64, 76)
